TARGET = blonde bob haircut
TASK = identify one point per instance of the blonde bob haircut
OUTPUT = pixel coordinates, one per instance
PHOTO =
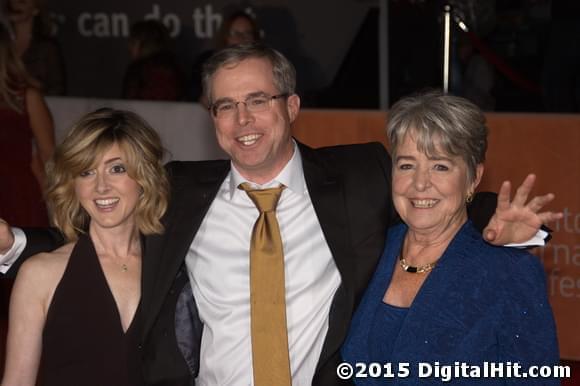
(82, 148)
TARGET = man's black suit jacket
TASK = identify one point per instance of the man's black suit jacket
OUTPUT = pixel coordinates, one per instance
(350, 190)
(351, 193)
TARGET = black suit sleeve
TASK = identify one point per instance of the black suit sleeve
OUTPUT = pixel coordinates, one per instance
(37, 240)
(482, 209)
(386, 166)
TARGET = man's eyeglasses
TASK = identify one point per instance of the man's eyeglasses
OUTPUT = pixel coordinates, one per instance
(254, 104)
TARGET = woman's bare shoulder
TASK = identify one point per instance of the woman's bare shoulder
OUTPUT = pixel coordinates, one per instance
(47, 266)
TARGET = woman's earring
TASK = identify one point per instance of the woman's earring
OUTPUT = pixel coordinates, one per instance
(469, 197)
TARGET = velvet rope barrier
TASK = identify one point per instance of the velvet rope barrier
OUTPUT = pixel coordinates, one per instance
(501, 65)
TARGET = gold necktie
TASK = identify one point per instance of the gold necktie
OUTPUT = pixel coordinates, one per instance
(270, 357)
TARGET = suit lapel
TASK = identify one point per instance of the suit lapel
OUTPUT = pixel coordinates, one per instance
(325, 186)
(164, 255)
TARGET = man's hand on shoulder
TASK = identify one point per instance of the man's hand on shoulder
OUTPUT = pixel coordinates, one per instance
(519, 220)
(6, 237)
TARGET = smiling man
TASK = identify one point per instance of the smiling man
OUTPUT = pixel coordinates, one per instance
(255, 132)
(323, 234)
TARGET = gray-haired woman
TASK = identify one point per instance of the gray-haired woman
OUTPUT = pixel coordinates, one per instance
(442, 296)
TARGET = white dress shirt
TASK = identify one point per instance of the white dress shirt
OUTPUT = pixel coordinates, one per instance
(7, 259)
(219, 268)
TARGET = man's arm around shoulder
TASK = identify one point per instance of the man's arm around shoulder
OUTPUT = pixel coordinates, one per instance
(18, 244)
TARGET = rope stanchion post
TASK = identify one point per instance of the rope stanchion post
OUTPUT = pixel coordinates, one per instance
(446, 46)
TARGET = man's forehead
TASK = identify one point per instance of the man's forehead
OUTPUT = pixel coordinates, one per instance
(243, 78)
(251, 64)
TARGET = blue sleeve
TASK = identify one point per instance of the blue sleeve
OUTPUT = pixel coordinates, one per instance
(529, 333)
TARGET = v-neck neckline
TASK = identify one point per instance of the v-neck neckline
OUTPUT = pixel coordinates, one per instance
(111, 297)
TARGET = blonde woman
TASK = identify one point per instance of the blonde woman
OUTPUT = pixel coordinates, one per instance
(74, 312)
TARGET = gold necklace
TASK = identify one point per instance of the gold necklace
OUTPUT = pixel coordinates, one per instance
(123, 266)
(412, 269)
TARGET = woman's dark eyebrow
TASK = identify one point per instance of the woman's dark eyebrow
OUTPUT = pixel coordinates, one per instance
(404, 157)
(113, 160)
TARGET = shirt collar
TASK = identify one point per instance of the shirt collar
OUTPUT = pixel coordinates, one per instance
(291, 176)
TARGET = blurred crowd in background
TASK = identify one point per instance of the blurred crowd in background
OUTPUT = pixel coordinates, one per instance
(513, 55)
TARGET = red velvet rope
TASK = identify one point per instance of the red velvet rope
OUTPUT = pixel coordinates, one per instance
(502, 66)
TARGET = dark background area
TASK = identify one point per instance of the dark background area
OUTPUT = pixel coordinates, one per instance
(530, 48)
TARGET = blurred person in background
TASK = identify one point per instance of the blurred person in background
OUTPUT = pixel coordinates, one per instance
(477, 76)
(153, 73)
(238, 28)
(25, 120)
(26, 143)
(40, 52)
